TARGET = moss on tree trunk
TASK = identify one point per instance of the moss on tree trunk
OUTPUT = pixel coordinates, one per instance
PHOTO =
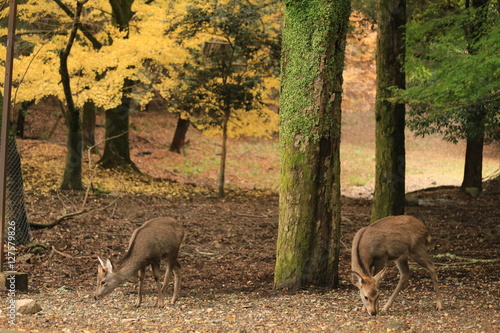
(312, 63)
(390, 159)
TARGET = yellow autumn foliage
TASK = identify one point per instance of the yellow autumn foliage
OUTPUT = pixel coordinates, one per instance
(98, 75)
(262, 121)
(95, 74)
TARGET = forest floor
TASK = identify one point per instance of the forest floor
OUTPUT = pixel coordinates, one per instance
(228, 262)
(228, 256)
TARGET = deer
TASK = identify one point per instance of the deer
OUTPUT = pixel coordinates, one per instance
(394, 238)
(156, 240)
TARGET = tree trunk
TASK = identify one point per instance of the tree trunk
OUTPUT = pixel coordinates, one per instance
(390, 160)
(223, 156)
(309, 223)
(72, 178)
(21, 118)
(179, 139)
(88, 125)
(116, 148)
(473, 170)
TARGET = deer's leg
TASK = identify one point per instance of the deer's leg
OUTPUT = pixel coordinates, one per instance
(168, 274)
(156, 274)
(141, 274)
(424, 261)
(404, 271)
(177, 281)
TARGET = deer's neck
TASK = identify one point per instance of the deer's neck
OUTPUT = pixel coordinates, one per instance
(128, 266)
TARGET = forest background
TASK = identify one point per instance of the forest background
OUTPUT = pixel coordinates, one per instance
(252, 164)
(41, 82)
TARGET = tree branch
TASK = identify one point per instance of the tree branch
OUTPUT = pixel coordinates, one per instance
(57, 221)
(84, 28)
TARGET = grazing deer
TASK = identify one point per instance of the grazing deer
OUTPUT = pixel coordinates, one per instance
(157, 239)
(393, 238)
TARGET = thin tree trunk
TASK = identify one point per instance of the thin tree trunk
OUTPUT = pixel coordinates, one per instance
(223, 156)
(72, 178)
(179, 139)
(88, 125)
(309, 223)
(390, 160)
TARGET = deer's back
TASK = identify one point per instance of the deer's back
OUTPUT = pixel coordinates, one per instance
(398, 228)
(390, 238)
(156, 239)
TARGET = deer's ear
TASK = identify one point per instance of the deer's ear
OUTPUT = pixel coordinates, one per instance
(380, 275)
(110, 265)
(106, 264)
(101, 262)
(356, 279)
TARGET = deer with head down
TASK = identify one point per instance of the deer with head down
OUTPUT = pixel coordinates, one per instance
(156, 240)
(394, 238)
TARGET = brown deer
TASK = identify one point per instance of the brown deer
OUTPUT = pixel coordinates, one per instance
(157, 239)
(394, 238)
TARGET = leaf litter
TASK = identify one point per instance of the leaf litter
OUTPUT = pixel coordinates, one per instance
(228, 256)
(228, 263)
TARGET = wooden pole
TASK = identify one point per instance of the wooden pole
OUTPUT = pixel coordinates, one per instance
(4, 133)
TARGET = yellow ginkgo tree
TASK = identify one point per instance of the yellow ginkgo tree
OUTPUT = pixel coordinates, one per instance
(234, 48)
(109, 61)
(216, 61)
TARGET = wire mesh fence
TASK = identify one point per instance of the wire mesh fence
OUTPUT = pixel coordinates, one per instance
(15, 206)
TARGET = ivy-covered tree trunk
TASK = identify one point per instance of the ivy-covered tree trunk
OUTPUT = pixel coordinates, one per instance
(314, 36)
(390, 160)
